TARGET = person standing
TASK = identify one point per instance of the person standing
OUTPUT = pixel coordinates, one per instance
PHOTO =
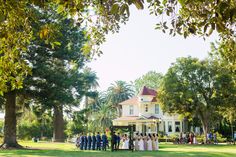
(89, 141)
(140, 143)
(93, 141)
(157, 143)
(149, 142)
(98, 140)
(85, 142)
(145, 141)
(81, 141)
(114, 141)
(136, 141)
(153, 142)
(104, 141)
(118, 141)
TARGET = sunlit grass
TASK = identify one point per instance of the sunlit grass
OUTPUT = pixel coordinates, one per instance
(47, 149)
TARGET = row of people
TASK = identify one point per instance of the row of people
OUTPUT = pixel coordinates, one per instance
(146, 142)
(92, 142)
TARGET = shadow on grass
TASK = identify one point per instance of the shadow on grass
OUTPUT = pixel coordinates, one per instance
(61, 153)
(165, 151)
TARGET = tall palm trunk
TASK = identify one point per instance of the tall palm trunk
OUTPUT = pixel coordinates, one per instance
(58, 123)
(10, 121)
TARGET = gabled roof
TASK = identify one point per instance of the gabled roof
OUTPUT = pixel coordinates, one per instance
(131, 101)
(147, 91)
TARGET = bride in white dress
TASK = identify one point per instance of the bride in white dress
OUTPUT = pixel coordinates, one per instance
(125, 142)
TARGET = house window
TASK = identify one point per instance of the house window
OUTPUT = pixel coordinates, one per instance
(146, 108)
(131, 109)
(170, 126)
(177, 126)
(157, 108)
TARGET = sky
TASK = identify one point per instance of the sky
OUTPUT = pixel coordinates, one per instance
(139, 48)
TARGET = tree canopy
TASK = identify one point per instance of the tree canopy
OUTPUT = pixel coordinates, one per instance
(196, 88)
(151, 79)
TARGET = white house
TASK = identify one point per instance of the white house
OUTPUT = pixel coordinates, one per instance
(144, 112)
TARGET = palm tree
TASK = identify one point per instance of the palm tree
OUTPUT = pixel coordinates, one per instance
(91, 83)
(118, 92)
(102, 119)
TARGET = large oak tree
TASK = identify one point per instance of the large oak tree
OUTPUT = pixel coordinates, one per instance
(193, 87)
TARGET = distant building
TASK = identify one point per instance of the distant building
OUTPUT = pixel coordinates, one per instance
(144, 112)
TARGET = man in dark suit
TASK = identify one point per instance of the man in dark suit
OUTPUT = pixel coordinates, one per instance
(81, 141)
(93, 141)
(114, 140)
(104, 141)
(89, 141)
(118, 141)
(98, 140)
(85, 142)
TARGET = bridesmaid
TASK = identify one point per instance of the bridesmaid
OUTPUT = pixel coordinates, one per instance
(145, 141)
(157, 143)
(149, 142)
(136, 142)
(153, 142)
(140, 143)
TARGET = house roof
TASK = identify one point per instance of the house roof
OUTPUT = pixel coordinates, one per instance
(147, 91)
(135, 118)
(126, 118)
(154, 99)
(131, 101)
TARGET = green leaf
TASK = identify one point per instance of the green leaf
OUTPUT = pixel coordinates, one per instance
(138, 4)
(57, 43)
(115, 9)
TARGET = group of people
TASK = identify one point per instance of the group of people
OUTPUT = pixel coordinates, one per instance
(146, 142)
(92, 142)
(187, 138)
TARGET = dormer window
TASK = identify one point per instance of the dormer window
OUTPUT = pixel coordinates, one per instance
(146, 108)
(131, 109)
(157, 109)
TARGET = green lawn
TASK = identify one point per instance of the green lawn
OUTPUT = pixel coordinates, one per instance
(166, 150)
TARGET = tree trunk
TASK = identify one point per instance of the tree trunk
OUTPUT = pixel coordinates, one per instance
(185, 125)
(232, 131)
(58, 122)
(10, 121)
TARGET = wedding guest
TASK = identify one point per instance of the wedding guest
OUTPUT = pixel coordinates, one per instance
(140, 143)
(93, 142)
(98, 140)
(118, 141)
(136, 141)
(154, 142)
(157, 143)
(104, 141)
(89, 141)
(145, 141)
(85, 142)
(149, 142)
(81, 141)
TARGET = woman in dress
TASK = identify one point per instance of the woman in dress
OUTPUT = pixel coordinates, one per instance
(157, 143)
(140, 143)
(153, 142)
(149, 142)
(123, 142)
(126, 142)
(145, 141)
(136, 141)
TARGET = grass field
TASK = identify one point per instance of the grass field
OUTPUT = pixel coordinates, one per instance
(44, 149)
